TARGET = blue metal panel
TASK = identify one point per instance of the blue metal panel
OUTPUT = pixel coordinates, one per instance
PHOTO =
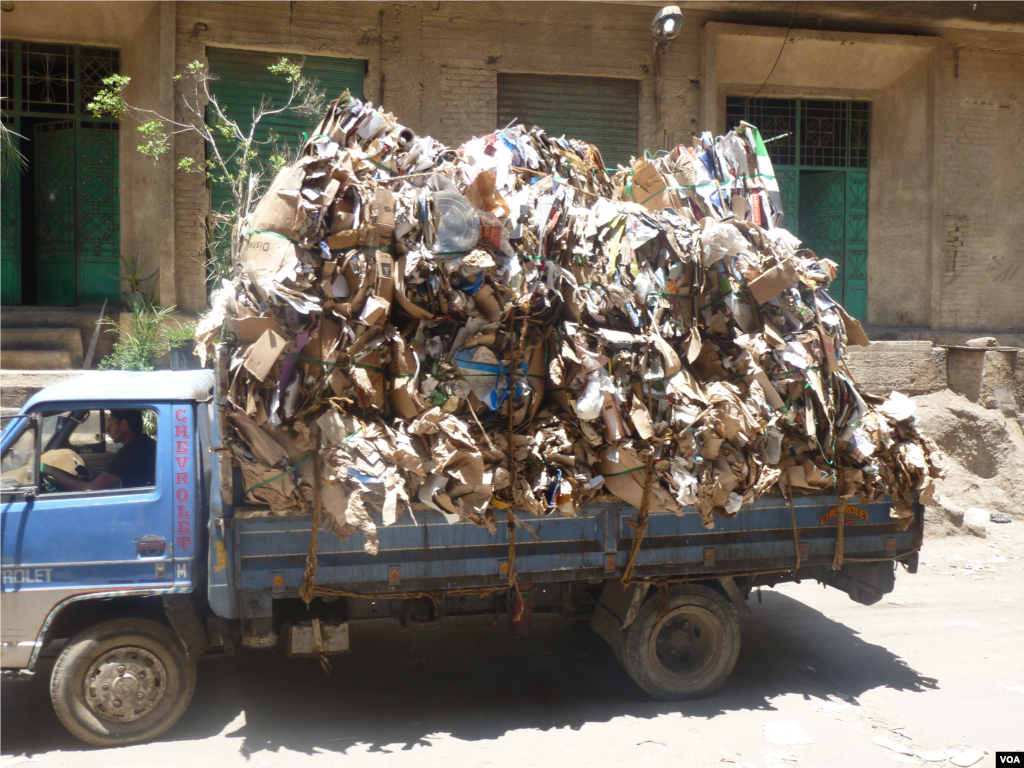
(433, 554)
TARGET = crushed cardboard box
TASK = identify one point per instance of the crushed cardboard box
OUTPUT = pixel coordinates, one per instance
(504, 327)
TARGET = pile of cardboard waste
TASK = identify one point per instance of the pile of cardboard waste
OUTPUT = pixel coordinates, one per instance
(505, 326)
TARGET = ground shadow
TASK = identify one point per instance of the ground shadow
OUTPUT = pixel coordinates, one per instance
(476, 682)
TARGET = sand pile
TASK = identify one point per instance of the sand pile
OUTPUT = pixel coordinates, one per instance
(986, 458)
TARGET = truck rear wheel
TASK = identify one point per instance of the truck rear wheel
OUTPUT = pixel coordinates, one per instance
(686, 653)
(122, 681)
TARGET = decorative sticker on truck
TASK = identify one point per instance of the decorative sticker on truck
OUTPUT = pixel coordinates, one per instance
(853, 516)
(184, 504)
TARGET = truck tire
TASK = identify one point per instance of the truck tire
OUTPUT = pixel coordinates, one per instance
(689, 651)
(122, 681)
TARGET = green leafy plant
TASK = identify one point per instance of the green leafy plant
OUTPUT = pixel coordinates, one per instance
(232, 151)
(182, 336)
(141, 337)
(133, 276)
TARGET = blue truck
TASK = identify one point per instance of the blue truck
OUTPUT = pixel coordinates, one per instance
(123, 589)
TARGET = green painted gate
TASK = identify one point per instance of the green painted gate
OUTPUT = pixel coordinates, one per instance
(71, 191)
(601, 111)
(99, 259)
(55, 213)
(819, 150)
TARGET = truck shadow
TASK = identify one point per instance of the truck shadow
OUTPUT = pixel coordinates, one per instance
(474, 682)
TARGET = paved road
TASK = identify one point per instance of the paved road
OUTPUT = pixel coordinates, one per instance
(938, 664)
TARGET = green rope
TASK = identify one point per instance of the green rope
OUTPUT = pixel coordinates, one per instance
(625, 472)
(269, 232)
(278, 477)
(384, 167)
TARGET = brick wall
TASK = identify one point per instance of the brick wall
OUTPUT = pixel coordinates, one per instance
(437, 65)
(981, 152)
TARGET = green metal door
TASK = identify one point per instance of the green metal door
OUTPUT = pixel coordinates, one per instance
(855, 279)
(10, 234)
(55, 213)
(598, 110)
(100, 211)
(822, 220)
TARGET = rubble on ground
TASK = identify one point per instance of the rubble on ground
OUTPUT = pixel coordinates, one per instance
(505, 326)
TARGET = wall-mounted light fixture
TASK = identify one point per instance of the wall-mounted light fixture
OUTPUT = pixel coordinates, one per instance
(667, 25)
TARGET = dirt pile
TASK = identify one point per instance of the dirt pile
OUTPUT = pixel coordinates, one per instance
(986, 458)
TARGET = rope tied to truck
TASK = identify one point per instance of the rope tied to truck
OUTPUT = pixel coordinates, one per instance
(639, 525)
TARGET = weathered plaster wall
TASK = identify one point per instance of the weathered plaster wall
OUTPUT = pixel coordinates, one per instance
(891, 71)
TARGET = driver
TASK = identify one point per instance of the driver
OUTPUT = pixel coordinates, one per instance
(134, 465)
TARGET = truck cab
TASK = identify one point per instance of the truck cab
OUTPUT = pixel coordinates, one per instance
(70, 558)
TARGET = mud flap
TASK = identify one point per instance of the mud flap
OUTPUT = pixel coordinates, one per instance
(865, 583)
(616, 609)
(184, 618)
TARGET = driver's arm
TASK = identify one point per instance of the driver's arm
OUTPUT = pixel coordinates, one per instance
(71, 483)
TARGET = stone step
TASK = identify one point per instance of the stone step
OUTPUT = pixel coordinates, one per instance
(16, 387)
(35, 359)
(18, 322)
(69, 339)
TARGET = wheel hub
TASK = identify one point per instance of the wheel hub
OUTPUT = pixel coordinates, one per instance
(684, 641)
(125, 684)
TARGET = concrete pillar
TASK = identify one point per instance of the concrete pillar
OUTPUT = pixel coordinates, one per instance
(147, 189)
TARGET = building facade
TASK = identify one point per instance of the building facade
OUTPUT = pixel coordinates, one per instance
(894, 127)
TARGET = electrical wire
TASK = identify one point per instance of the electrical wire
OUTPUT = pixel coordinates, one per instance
(785, 40)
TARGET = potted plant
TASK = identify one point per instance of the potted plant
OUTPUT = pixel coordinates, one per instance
(182, 342)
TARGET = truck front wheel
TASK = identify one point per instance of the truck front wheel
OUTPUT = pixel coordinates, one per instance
(121, 682)
(689, 650)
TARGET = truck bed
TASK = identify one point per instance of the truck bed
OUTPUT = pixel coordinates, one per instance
(268, 554)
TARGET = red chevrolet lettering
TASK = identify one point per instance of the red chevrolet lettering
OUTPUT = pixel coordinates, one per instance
(181, 446)
(184, 526)
(181, 461)
(182, 495)
(181, 430)
(181, 415)
(183, 542)
(182, 511)
(181, 478)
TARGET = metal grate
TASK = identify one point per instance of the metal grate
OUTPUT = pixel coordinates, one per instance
(775, 119)
(7, 75)
(823, 133)
(807, 133)
(95, 64)
(48, 78)
(860, 121)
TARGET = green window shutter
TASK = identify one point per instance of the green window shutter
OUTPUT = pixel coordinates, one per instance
(244, 80)
(601, 111)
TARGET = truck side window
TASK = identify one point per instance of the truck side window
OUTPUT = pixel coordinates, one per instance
(99, 449)
(18, 466)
